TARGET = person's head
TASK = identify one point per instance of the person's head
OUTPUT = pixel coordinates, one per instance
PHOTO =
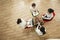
(19, 21)
(42, 29)
(33, 5)
(50, 10)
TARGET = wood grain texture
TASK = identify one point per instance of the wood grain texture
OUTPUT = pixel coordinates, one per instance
(11, 10)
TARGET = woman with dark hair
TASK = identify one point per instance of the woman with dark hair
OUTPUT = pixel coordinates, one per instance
(49, 15)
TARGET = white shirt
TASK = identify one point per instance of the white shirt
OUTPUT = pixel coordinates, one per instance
(27, 23)
(38, 30)
(49, 16)
(34, 11)
(23, 23)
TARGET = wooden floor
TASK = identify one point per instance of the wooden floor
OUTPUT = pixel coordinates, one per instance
(11, 10)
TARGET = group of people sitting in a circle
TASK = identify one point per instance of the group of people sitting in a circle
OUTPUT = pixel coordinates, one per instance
(35, 21)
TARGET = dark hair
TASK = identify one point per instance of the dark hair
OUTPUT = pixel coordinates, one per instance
(33, 4)
(50, 10)
(19, 21)
(42, 29)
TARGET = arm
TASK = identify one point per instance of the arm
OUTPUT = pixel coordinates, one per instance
(44, 15)
(48, 18)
